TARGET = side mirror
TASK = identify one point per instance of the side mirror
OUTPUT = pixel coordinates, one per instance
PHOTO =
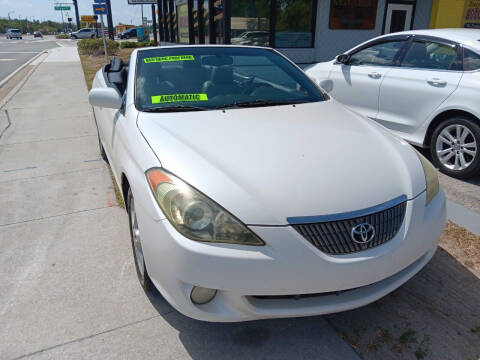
(105, 97)
(343, 59)
(326, 85)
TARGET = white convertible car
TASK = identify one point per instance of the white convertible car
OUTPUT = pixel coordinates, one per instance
(251, 193)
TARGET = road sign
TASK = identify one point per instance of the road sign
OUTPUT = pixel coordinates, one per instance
(136, 2)
(99, 9)
(88, 18)
(99, 1)
(69, 19)
(62, 8)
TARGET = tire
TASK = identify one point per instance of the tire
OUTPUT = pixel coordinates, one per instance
(93, 36)
(137, 250)
(74, 37)
(458, 140)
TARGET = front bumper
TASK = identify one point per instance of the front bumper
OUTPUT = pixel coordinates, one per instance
(255, 282)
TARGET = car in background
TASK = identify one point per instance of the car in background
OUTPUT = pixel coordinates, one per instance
(253, 194)
(14, 34)
(37, 34)
(128, 34)
(257, 38)
(423, 85)
(86, 33)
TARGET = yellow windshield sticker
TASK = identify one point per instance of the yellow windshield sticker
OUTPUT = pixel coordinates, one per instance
(168, 58)
(160, 99)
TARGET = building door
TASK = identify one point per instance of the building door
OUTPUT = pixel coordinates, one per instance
(398, 17)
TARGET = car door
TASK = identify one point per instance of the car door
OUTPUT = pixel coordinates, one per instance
(429, 72)
(357, 82)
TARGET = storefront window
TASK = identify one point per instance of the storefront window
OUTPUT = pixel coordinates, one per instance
(294, 28)
(250, 23)
(182, 21)
(353, 14)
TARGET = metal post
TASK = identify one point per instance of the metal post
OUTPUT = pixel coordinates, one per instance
(160, 20)
(109, 19)
(154, 25)
(77, 17)
(104, 41)
(63, 23)
(143, 22)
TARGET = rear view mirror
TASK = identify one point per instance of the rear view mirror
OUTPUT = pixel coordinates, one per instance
(326, 85)
(105, 97)
(217, 60)
(343, 59)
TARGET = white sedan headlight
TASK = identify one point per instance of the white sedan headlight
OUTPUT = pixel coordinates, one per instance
(194, 215)
(431, 178)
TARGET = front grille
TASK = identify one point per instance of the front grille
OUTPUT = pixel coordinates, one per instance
(334, 237)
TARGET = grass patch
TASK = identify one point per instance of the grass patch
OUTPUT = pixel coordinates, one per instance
(463, 245)
(420, 354)
(90, 65)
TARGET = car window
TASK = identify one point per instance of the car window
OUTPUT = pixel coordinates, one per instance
(218, 77)
(471, 60)
(430, 55)
(379, 54)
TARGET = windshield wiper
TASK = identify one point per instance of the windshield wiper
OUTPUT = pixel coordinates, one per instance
(175, 108)
(263, 102)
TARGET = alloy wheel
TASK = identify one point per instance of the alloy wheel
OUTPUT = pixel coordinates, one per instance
(456, 147)
(136, 239)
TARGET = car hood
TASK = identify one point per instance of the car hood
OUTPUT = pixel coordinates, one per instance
(267, 164)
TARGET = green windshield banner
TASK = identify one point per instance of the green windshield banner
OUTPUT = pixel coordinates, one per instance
(168, 58)
(160, 99)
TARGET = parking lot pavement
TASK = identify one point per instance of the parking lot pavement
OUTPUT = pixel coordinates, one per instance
(69, 288)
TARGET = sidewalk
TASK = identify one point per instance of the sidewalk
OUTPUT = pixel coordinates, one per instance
(68, 286)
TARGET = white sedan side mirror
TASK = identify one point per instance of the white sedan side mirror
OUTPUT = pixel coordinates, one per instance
(105, 97)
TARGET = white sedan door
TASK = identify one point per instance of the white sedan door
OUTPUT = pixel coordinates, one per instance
(409, 93)
(357, 83)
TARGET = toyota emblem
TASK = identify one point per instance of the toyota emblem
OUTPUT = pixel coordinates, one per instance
(362, 233)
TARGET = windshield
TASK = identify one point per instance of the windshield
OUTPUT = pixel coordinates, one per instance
(203, 78)
(15, 31)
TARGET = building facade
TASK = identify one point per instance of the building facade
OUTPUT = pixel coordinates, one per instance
(305, 30)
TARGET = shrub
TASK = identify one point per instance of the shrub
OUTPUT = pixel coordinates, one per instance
(133, 44)
(95, 47)
(128, 44)
(62, 36)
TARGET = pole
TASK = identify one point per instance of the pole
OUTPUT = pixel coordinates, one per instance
(160, 15)
(154, 25)
(109, 19)
(143, 22)
(104, 41)
(77, 17)
(63, 23)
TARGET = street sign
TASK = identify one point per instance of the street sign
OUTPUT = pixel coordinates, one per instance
(62, 8)
(137, 2)
(69, 19)
(99, 9)
(88, 18)
(99, 1)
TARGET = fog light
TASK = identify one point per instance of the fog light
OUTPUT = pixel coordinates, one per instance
(200, 295)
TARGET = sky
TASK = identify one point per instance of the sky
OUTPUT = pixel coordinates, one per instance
(43, 10)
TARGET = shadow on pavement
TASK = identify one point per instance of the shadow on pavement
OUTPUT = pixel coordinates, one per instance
(436, 315)
(309, 338)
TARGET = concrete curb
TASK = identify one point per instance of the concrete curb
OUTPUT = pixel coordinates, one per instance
(4, 81)
(464, 217)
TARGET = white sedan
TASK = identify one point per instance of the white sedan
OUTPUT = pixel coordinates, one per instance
(251, 193)
(423, 85)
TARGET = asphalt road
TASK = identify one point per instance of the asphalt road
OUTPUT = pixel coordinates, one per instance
(14, 53)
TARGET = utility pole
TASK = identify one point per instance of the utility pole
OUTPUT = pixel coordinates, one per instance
(154, 25)
(77, 17)
(109, 19)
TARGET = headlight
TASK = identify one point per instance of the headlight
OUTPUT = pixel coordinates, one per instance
(194, 215)
(431, 178)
